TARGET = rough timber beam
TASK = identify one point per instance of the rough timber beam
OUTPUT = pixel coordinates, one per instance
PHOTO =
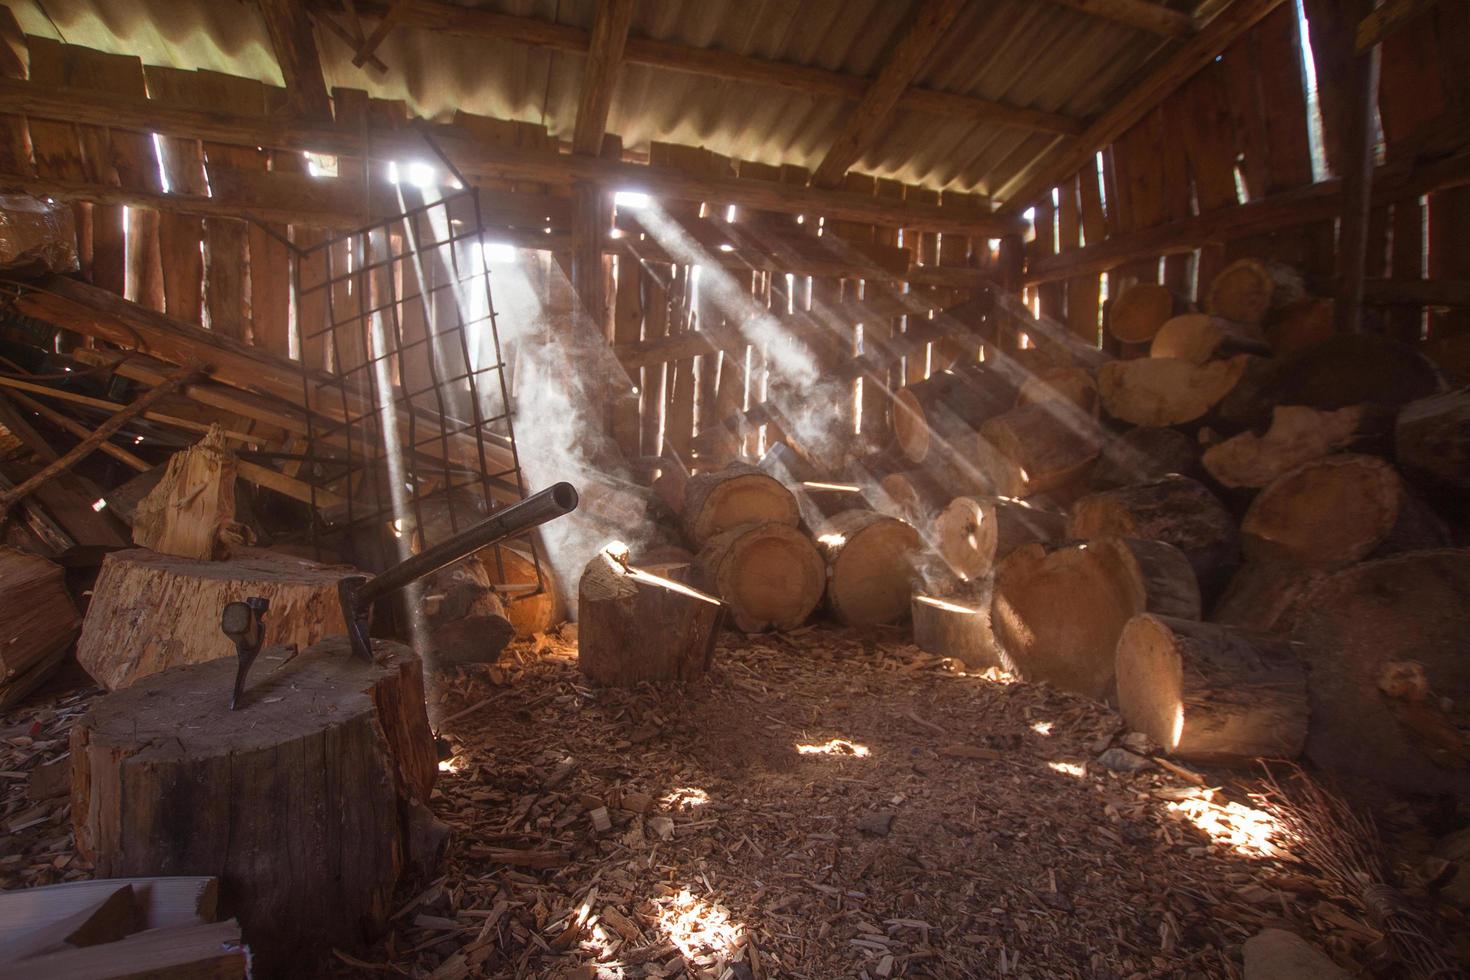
(481, 161)
(600, 74)
(1051, 169)
(871, 116)
(1145, 15)
(1386, 19)
(291, 36)
(480, 24)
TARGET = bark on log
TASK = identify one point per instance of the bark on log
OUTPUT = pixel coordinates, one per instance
(737, 494)
(633, 626)
(1432, 439)
(1073, 385)
(916, 496)
(770, 575)
(1199, 337)
(956, 625)
(297, 802)
(871, 560)
(38, 622)
(945, 410)
(1058, 610)
(465, 617)
(1175, 509)
(1359, 629)
(1297, 435)
(1338, 509)
(1036, 449)
(530, 609)
(1211, 694)
(1247, 289)
(974, 533)
(1144, 454)
(1265, 596)
(1162, 392)
(189, 509)
(1136, 315)
(150, 612)
(1299, 326)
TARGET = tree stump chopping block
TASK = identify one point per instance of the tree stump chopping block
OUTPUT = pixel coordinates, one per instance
(957, 625)
(303, 803)
(150, 612)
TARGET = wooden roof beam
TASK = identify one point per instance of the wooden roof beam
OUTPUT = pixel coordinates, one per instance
(871, 116)
(290, 29)
(1155, 18)
(468, 22)
(600, 74)
(380, 33)
(1052, 168)
(1387, 19)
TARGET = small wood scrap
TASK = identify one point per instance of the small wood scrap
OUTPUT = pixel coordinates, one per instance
(190, 512)
(38, 622)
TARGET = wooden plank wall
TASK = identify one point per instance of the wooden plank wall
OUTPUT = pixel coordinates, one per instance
(1239, 131)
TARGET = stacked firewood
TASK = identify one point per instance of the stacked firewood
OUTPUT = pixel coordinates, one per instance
(1251, 525)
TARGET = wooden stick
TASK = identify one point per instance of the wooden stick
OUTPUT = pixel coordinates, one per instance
(1357, 195)
(103, 432)
(102, 403)
(79, 430)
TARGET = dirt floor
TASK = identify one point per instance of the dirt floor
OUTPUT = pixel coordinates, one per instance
(823, 805)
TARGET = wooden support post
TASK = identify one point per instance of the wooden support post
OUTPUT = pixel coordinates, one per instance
(1352, 248)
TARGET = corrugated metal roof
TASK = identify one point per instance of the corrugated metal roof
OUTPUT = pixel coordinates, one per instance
(1028, 53)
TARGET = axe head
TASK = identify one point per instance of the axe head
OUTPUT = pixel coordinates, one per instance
(355, 613)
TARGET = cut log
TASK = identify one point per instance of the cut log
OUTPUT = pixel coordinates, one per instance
(1338, 509)
(737, 494)
(1247, 289)
(974, 533)
(1144, 454)
(297, 802)
(1211, 694)
(944, 410)
(1073, 385)
(956, 625)
(635, 627)
(1432, 439)
(38, 622)
(1199, 337)
(916, 496)
(1175, 509)
(1036, 449)
(529, 609)
(1265, 596)
(464, 615)
(1058, 610)
(194, 502)
(1297, 435)
(819, 500)
(1136, 315)
(770, 575)
(150, 612)
(1359, 628)
(870, 566)
(1166, 391)
(1299, 326)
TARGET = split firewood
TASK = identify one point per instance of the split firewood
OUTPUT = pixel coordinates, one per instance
(191, 511)
(1199, 337)
(1211, 694)
(871, 561)
(1058, 610)
(1338, 509)
(38, 622)
(1297, 435)
(933, 416)
(162, 903)
(151, 611)
(1067, 383)
(974, 533)
(1432, 439)
(1138, 313)
(1036, 448)
(314, 869)
(634, 626)
(1357, 627)
(214, 950)
(1248, 289)
(956, 624)
(1175, 509)
(737, 494)
(770, 575)
(1166, 391)
(1141, 455)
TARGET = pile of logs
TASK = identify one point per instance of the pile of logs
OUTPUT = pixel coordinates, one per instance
(1219, 540)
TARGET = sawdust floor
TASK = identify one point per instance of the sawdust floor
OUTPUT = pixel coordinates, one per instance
(830, 805)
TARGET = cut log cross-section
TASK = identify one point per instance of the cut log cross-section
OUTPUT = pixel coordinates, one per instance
(191, 511)
(1338, 509)
(737, 494)
(533, 604)
(635, 627)
(916, 495)
(1067, 383)
(1158, 391)
(38, 622)
(1058, 610)
(974, 533)
(937, 416)
(1211, 694)
(1199, 337)
(1297, 435)
(1432, 439)
(1136, 315)
(301, 802)
(870, 566)
(1248, 289)
(770, 575)
(1036, 448)
(151, 611)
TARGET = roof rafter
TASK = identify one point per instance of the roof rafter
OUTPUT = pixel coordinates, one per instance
(1155, 18)
(290, 29)
(868, 119)
(600, 74)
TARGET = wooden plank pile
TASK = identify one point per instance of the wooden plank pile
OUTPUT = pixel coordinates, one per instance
(1226, 541)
